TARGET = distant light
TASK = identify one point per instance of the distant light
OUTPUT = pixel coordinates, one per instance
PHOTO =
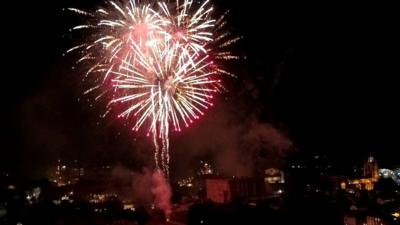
(343, 185)
(129, 207)
(57, 202)
(371, 159)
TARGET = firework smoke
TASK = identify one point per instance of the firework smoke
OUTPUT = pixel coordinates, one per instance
(162, 193)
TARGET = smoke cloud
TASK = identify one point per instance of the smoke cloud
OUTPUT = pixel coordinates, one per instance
(161, 192)
(233, 138)
(143, 188)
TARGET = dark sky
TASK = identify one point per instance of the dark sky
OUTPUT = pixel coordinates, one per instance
(325, 75)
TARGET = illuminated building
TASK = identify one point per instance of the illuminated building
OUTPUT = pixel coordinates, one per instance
(369, 178)
(129, 206)
(205, 168)
(343, 185)
(100, 197)
(273, 176)
(67, 174)
(223, 190)
(186, 182)
(371, 169)
(274, 181)
(60, 174)
(362, 184)
(363, 220)
(76, 172)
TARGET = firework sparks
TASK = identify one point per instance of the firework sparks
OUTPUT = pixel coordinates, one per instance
(157, 60)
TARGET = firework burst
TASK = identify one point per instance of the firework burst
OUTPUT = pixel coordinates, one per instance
(159, 61)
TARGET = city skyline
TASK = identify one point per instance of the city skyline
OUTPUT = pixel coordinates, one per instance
(301, 127)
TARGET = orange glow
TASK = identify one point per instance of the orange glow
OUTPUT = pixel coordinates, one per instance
(343, 185)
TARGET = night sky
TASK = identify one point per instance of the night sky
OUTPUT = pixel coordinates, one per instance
(325, 76)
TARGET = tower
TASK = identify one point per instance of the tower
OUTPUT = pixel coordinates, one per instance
(371, 169)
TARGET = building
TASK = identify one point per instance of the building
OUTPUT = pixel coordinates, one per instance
(363, 220)
(77, 172)
(367, 181)
(60, 177)
(274, 181)
(371, 169)
(224, 190)
(67, 174)
(274, 176)
(205, 169)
